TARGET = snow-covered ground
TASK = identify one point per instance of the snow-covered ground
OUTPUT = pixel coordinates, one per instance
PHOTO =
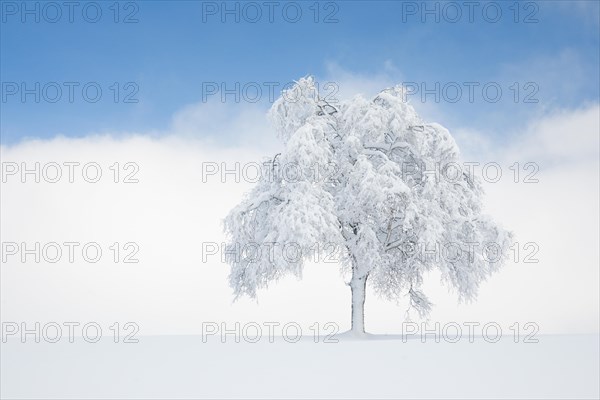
(561, 366)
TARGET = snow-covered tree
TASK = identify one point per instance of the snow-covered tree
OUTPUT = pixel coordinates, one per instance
(395, 199)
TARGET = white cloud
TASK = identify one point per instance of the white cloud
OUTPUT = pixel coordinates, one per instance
(368, 85)
(220, 123)
(170, 212)
(559, 213)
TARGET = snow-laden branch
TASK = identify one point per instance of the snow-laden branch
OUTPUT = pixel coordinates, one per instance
(390, 222)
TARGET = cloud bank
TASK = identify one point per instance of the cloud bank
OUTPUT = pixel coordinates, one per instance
(172, 209)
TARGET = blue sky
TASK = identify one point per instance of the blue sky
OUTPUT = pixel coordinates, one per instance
(175, 46)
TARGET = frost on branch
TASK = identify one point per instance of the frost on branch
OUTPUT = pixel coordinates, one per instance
(395, 188)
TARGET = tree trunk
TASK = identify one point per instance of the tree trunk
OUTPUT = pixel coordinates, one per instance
(358, 287)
